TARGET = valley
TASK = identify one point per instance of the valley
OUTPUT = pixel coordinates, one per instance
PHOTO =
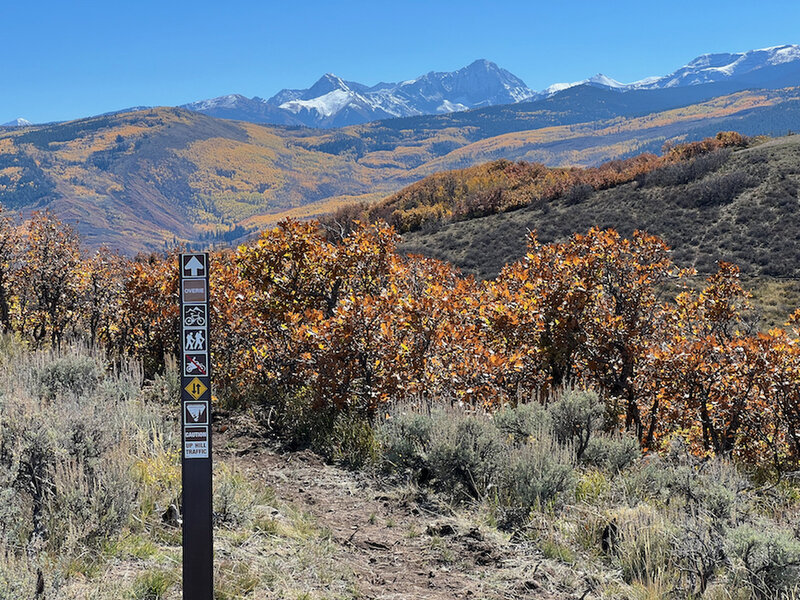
(151, 179)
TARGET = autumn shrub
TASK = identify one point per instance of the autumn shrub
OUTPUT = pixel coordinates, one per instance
(323, 332)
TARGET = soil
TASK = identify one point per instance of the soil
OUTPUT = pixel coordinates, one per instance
(398, 541)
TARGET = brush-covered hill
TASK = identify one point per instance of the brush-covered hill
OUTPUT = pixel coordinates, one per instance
(740, 205)
(138, 180)
(145, 179)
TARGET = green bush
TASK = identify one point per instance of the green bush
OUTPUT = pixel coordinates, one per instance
(404, 440)
(351, 441)
(76, 374)
(17, 576)
(575, 417)
(644, 550)
(70, 435)
(153, 585)
(766, 558)
(466, 452)
(538, 475)
(523, 421)
(698, 549)
(346, 437)
(613, 453)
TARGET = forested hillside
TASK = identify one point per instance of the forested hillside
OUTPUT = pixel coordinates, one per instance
(149, 179)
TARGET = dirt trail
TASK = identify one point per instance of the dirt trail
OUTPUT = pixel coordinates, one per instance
(397, 546)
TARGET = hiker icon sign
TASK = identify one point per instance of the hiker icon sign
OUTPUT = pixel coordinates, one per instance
(195, 340)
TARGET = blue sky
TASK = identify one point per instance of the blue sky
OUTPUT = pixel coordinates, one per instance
(65, 60)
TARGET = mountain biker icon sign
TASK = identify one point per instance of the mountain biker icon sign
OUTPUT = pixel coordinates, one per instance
(195, 316)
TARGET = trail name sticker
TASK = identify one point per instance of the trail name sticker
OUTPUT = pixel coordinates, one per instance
(194, 290)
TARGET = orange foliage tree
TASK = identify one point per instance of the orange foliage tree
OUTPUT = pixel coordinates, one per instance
(354, 325)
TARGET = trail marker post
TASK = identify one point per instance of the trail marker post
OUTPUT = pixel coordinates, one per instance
(198, 541)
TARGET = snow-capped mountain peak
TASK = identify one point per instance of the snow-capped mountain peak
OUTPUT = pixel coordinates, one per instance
(333, 102)
(324, 105)
(605, 81)
(326, 84)
(723, 66)
(598, 80)
(706, 68)
(227, 101)
(19, 122)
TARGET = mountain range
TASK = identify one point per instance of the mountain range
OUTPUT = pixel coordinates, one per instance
(146, 178)
(333, 102)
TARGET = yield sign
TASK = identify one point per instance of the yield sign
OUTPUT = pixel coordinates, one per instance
(194, 265)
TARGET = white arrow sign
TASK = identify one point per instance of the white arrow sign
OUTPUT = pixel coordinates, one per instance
(194, 267)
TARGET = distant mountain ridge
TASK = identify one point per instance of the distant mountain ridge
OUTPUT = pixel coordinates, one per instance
(334, 102)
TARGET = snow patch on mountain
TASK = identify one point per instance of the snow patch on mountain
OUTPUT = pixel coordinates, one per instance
(324, 105)
(783, 54)
(228, 101)
(19, 122)
(711, 68)
(448, 107)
